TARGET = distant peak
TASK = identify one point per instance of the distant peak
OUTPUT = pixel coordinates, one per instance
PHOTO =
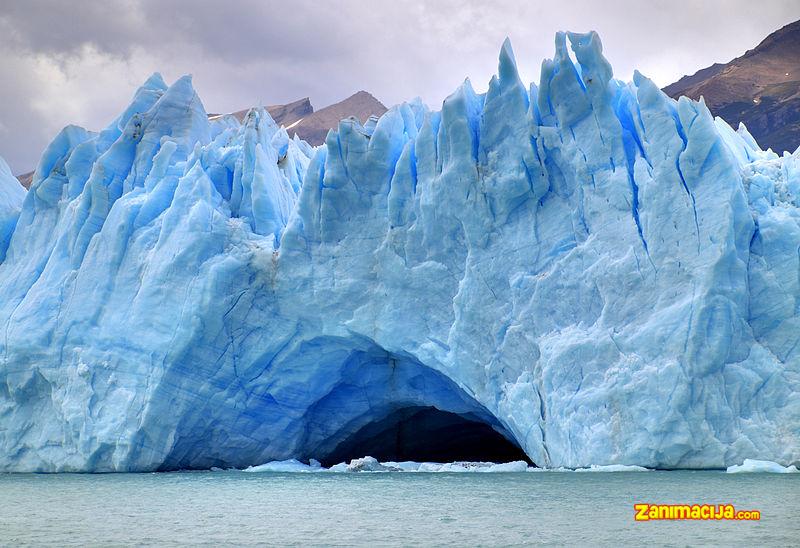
(786, 37)
(361, 94)
(303, 101)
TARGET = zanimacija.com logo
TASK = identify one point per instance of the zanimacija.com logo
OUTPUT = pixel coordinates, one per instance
(653, 512)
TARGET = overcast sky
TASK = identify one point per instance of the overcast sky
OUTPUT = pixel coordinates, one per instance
(80, 62)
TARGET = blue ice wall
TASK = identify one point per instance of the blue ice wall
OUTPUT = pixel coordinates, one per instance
(604, 274)
(12, 194)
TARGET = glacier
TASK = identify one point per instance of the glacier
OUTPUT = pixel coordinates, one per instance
(601, 274)
(12, 194)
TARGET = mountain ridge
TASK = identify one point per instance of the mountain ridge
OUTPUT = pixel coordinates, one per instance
(299, 117)
(760, 88)
(283, 114)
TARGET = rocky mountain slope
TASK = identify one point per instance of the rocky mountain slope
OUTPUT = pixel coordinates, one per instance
(761, 88)
(283, 115)
(300, 118)
(314, 127)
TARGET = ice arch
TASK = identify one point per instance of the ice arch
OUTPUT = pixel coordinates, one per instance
(360, 400)
(393, 407)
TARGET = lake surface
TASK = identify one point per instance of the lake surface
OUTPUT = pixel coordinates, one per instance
(467, 509)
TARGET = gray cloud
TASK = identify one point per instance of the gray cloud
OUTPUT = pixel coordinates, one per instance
(58, 28)
(64, 63)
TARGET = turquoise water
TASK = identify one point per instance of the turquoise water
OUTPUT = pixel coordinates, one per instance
(213, 508)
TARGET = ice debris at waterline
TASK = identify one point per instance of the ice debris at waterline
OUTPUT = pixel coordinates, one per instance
(371, 464)
(597, 272)
(761, 466)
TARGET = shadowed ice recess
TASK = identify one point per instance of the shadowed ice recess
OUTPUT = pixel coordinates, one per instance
(584, 272)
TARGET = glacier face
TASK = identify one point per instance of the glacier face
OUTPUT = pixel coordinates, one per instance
(599, 272)
(12, 193)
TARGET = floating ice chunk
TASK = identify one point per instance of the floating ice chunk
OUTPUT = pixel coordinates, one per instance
(594, 468)
(613, 468)
(369, 464)
(443, 467)
(515, 466)
(404, 466)
(291, 465)
(465, 466)
(761, 466)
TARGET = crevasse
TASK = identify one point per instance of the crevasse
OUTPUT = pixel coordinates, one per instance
(601, 274)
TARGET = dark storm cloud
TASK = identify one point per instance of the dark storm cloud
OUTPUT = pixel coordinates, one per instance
(79, 62)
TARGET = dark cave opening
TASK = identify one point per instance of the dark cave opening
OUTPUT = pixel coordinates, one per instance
(427, 434)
